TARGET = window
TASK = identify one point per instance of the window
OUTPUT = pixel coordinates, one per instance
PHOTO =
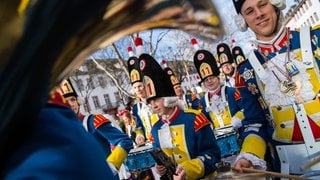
(316, 16)
(80, 84)
(309, 3)
(107, 98)
(303, 9)
(90, 83)
(117, 96)
(312, 20)
(96, 102)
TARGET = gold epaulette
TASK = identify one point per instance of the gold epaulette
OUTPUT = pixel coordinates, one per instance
(316, 27)
(193, 111)
(193, 97)
(99, 119)
(239, 82)
(200, 121)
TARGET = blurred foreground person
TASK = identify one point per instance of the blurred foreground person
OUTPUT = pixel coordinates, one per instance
(101, 128)
(48, 153)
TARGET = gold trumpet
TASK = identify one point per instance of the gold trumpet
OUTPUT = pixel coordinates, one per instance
(41, 41)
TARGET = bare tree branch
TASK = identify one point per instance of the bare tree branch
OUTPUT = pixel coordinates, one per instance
(114, 79)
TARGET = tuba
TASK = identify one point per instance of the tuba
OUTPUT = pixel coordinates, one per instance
(41, 41)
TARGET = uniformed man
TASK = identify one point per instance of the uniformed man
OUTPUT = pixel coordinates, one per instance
(187, 137)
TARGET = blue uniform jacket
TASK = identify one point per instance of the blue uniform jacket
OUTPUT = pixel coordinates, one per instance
(234, 104)
(107, 134)
(58, 147)
(198, 138)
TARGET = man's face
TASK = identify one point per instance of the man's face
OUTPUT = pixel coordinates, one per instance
(157, 105)
(178, 90)
(73, 102)
(139, 90)
(261, 18)
(227, 69)
(211, 83)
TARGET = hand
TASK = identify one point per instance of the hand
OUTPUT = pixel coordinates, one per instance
(161, 170)
(180, 173)
(242, 163)
(140, 140)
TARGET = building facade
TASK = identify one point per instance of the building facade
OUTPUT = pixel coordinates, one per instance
(100, 93)
(305, 13)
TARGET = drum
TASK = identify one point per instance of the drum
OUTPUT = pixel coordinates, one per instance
(139, 159)
(227, 140)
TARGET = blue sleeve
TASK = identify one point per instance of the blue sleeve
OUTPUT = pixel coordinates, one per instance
(208, 149)
(58, 148)
(252, 109)
(115, 136)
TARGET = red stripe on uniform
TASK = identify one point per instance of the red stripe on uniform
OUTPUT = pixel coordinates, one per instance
(237, 95)
(99, 119)
(200, 121)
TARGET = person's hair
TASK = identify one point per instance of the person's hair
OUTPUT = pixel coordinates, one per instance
(133, 120)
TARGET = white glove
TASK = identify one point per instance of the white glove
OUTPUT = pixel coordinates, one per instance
(236, 122)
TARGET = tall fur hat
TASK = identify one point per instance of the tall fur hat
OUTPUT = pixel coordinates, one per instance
(238, 55)
(156, 81)
(224, 54)
(134, 67)
(204, 62)
(169, 72)
(66, 89)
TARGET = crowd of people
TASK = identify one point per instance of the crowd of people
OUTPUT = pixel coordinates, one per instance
(264, 113)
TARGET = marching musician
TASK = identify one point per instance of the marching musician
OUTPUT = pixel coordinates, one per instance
(142, 112)
(188, 100)
(101, 128)
(221, 104)
(185, 136)
(226, 64)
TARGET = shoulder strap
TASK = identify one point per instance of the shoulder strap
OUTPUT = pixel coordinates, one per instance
(85, 121)
(223, 93)
(257, 66)
(305, 45)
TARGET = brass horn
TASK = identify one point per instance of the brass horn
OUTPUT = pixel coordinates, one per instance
(114, 21)
(41, 41)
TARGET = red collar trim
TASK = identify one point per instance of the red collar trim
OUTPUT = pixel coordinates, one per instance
(173, 116)
(274, 45)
